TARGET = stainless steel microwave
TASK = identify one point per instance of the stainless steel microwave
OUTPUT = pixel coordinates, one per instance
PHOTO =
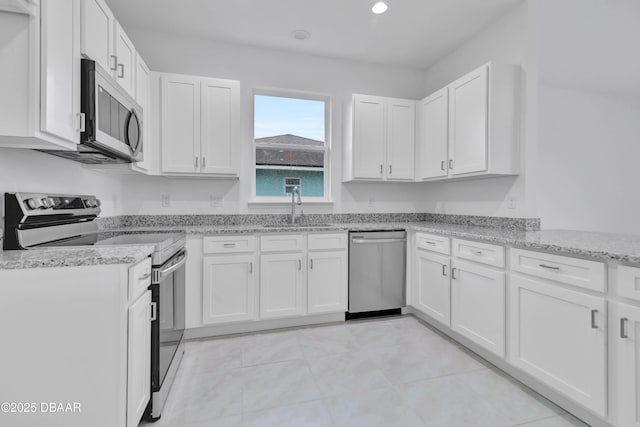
(111, 128)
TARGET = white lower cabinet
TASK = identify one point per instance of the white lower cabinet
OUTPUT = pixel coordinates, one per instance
(138, 358)
(433, 291)
(628, 365)
(327, 282)
(559, 336)
(228, 288)
(282, 285)
(478, 305)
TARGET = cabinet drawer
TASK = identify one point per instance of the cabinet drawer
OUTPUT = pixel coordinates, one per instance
(282, 243)
(139, 279)
(572, 271)
(480, 252)
(629, 282)
(327, 241)
(433, 243)
(228, 244)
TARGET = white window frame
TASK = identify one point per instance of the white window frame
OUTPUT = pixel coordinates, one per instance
(285, 93)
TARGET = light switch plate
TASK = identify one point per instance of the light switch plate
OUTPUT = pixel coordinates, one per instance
(166, 200)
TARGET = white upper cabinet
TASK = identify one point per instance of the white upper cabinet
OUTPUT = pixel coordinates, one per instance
(97, 33)
(380, 139)
(126, 57)
(220, 125)
(40, 77)
(180, 123)
(143, 97)
(471, 127)
(200, 125)
(432, 150)
(368, 137)
(468, 114)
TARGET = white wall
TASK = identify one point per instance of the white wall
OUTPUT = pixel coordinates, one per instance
(507, 42)
(260, 68)
(32, 171)
(589, 154)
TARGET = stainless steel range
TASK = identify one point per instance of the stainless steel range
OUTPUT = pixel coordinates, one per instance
(36, 220)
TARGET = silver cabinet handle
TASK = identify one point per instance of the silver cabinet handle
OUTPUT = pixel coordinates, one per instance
(144, 277)
(444, 269)
(229, 245)
(451, 164)
(390, 169)
(549, 267)
(623, 333)
(453, 273)
(251, 267)
(479, 253)
(299, 264)
(82, 122)
(114, 58)
(121, 74)
(429, 242)
(196, 162)
(204, 162)
(442, 163)
(594, 313)
(311, 263)
(380, 169)
(154, 311)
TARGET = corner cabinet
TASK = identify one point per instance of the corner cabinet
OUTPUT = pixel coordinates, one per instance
(199, 125)
(380, 139)
(472, 126)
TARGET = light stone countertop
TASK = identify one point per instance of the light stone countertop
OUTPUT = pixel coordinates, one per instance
(73, 257)
(601, 246)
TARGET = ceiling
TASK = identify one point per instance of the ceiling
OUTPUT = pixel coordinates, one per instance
(413, 33)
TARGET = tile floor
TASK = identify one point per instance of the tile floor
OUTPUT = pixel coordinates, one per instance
(384, 372)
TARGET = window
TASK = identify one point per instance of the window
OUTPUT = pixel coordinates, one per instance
(290, 182)
(290, 144)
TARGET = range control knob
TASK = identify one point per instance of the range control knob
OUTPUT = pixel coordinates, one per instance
(91, 203)
(48, 202)
(34, 203)
(97, 202)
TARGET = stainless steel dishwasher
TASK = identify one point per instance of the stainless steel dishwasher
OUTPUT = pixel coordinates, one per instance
(376, 273)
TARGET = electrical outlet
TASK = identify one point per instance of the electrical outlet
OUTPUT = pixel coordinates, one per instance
(372, 201)
(166, 200)
(216, 201)
(511, 202)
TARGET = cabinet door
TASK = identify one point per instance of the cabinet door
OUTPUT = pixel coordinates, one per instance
(282, 290)
(368, 137)
(220, 126)
(433, 287)
(478, 305)
(559, 336)
(327, 282)
(468, 122)
(434, 135)
(97, 25)
(228, 289)
(628, 350)
(400, 139)
(138, 358)
(180, 127)
(143, 97)
(60, 69)
(126, 55)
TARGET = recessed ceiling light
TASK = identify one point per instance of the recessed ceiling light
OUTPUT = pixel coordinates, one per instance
(379, 7)
(300, 34)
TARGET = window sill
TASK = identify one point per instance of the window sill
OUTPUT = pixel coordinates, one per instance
(280, 202)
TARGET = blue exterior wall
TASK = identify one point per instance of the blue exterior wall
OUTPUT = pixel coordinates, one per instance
(270, 182)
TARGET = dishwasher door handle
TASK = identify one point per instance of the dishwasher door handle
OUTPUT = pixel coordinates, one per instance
(365, 241)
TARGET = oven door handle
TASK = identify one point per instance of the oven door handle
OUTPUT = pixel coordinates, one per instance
(181, 260)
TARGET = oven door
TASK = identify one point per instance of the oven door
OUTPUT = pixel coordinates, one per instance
(168, 294)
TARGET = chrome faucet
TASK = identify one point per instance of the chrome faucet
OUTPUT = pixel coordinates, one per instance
(294, 191)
